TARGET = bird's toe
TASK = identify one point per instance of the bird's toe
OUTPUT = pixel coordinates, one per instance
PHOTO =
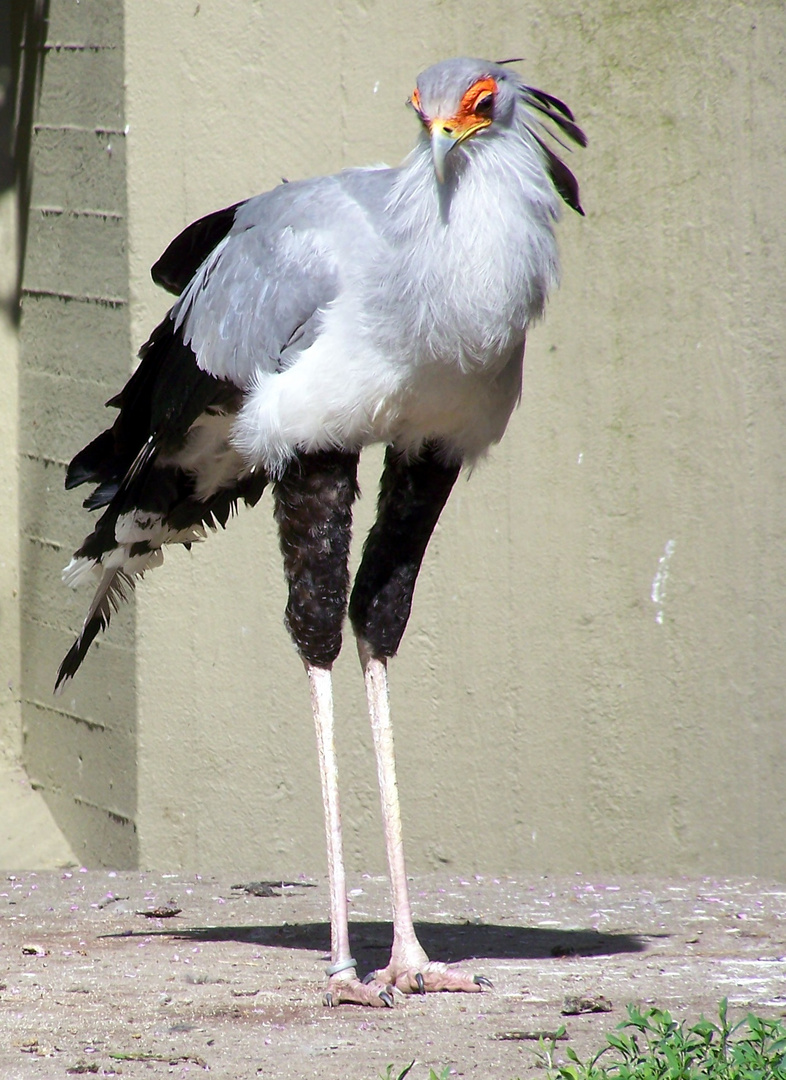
(435, 978)
(352, 991)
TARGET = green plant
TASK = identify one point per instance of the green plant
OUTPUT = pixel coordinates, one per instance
(390, 1073)
(652, 1046)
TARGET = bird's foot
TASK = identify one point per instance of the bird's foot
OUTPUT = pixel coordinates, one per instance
(351, 991)
(429, 978)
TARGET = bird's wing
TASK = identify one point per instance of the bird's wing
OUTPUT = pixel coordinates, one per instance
(259, 297)
(275, 268)
(165, 470)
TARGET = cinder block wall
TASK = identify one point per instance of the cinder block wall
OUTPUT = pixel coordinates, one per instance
(10, 730)
(593, 676)
(79, 749)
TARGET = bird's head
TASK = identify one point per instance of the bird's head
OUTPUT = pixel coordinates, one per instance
(463, 99)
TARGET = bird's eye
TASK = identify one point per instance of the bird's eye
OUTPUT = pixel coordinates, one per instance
(484, 106)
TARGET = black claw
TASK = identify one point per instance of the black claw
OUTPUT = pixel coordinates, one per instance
(328, 1000)
(368, 978)
(481, 980)
(420, 983)
(387, 997)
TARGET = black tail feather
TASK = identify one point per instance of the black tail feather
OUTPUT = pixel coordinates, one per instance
(112, 591)
(184, 513)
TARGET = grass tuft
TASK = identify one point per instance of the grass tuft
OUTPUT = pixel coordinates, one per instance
(391, 1074)
(652, 1046)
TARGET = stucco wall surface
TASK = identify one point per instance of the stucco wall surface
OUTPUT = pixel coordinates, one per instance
(593, 677)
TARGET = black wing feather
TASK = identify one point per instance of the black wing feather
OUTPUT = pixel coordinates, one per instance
(164, 396)
(158, 405)
(191, 247)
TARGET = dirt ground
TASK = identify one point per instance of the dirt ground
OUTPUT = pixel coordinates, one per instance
(231, 984)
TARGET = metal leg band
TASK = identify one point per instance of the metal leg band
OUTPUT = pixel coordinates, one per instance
(340, 965)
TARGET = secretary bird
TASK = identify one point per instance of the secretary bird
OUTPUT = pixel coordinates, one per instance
(379, 305)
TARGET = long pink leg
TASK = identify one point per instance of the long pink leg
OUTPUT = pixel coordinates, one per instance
(343, 983)
(409, 968)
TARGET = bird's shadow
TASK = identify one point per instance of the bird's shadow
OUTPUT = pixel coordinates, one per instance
(449, 942)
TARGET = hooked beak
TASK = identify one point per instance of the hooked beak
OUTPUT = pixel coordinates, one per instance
(443, 138)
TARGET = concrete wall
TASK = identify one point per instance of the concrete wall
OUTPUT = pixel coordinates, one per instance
(79, 750)
(10, 732)
(594, 675)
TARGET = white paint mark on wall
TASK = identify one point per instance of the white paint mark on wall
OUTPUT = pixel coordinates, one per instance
(658, 593)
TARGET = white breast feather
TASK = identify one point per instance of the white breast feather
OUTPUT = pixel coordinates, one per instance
(426, 336)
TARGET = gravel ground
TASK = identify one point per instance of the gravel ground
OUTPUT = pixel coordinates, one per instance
(231, 983)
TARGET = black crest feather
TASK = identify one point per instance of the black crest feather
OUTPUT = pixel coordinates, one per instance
(560, 115)
(562, 178)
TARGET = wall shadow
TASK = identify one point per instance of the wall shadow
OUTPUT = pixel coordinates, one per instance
(23, 30)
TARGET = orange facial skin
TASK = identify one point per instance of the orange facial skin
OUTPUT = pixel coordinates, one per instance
(475, 111)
